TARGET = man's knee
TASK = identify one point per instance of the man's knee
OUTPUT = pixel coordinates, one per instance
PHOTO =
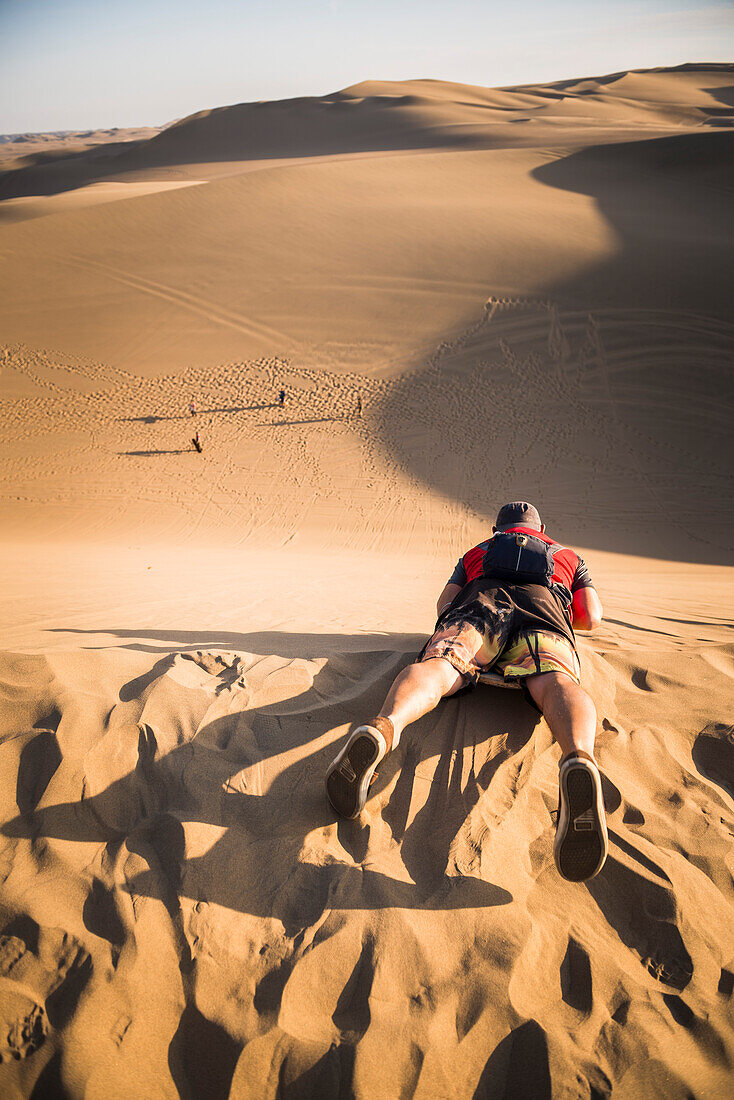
(448, 677)
(545, 685)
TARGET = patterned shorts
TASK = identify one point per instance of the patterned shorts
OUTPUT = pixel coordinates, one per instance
(528, 653)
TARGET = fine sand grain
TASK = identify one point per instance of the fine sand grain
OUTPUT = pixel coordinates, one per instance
(468, 295)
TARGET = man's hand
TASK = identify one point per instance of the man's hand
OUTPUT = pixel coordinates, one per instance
(587, 609)
(449, 594)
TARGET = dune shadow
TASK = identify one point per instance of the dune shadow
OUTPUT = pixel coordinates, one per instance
(611, 411)
(721, 117)
(724, 95)
(668, 202)
(53, 171)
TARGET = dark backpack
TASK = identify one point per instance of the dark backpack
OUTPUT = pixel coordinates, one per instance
(521, 559)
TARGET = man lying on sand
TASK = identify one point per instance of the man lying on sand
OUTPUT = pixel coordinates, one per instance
(511, 605)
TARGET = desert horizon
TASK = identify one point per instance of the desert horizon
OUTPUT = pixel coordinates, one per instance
(381, 314)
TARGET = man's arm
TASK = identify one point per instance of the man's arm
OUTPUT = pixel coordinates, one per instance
(449, 594)
(587, 609)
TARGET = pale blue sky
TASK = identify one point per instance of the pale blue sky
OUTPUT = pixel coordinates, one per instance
(78, 64)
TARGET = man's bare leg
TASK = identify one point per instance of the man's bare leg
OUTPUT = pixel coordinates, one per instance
(417, 690)
(580, 845)
(568, 710)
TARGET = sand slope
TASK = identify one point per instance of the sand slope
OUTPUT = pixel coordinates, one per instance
(622, 431)
(171, 808)
(528, 291)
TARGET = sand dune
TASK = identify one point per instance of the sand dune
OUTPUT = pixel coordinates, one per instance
(527, 289)
(26, 150)
(38, 206)
(373, 259)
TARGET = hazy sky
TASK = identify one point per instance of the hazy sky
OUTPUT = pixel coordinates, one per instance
(78, 64)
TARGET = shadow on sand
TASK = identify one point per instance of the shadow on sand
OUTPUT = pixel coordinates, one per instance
(637, 364)
(150, 454)
(232, 775)
(291, 645)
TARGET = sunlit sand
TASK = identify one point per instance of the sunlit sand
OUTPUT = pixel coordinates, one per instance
(528, 291)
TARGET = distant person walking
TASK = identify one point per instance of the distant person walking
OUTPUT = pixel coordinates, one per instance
(197, 442)
(359, 406)
(281, 398)
(192, 407)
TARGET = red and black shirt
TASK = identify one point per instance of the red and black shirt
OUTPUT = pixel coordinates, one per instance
(520, 606)
(570, 570)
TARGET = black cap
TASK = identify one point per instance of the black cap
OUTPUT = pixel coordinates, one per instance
(518, 514)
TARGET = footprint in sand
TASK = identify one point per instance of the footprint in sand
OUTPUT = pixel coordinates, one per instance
(28, 980)
(23, 1022)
